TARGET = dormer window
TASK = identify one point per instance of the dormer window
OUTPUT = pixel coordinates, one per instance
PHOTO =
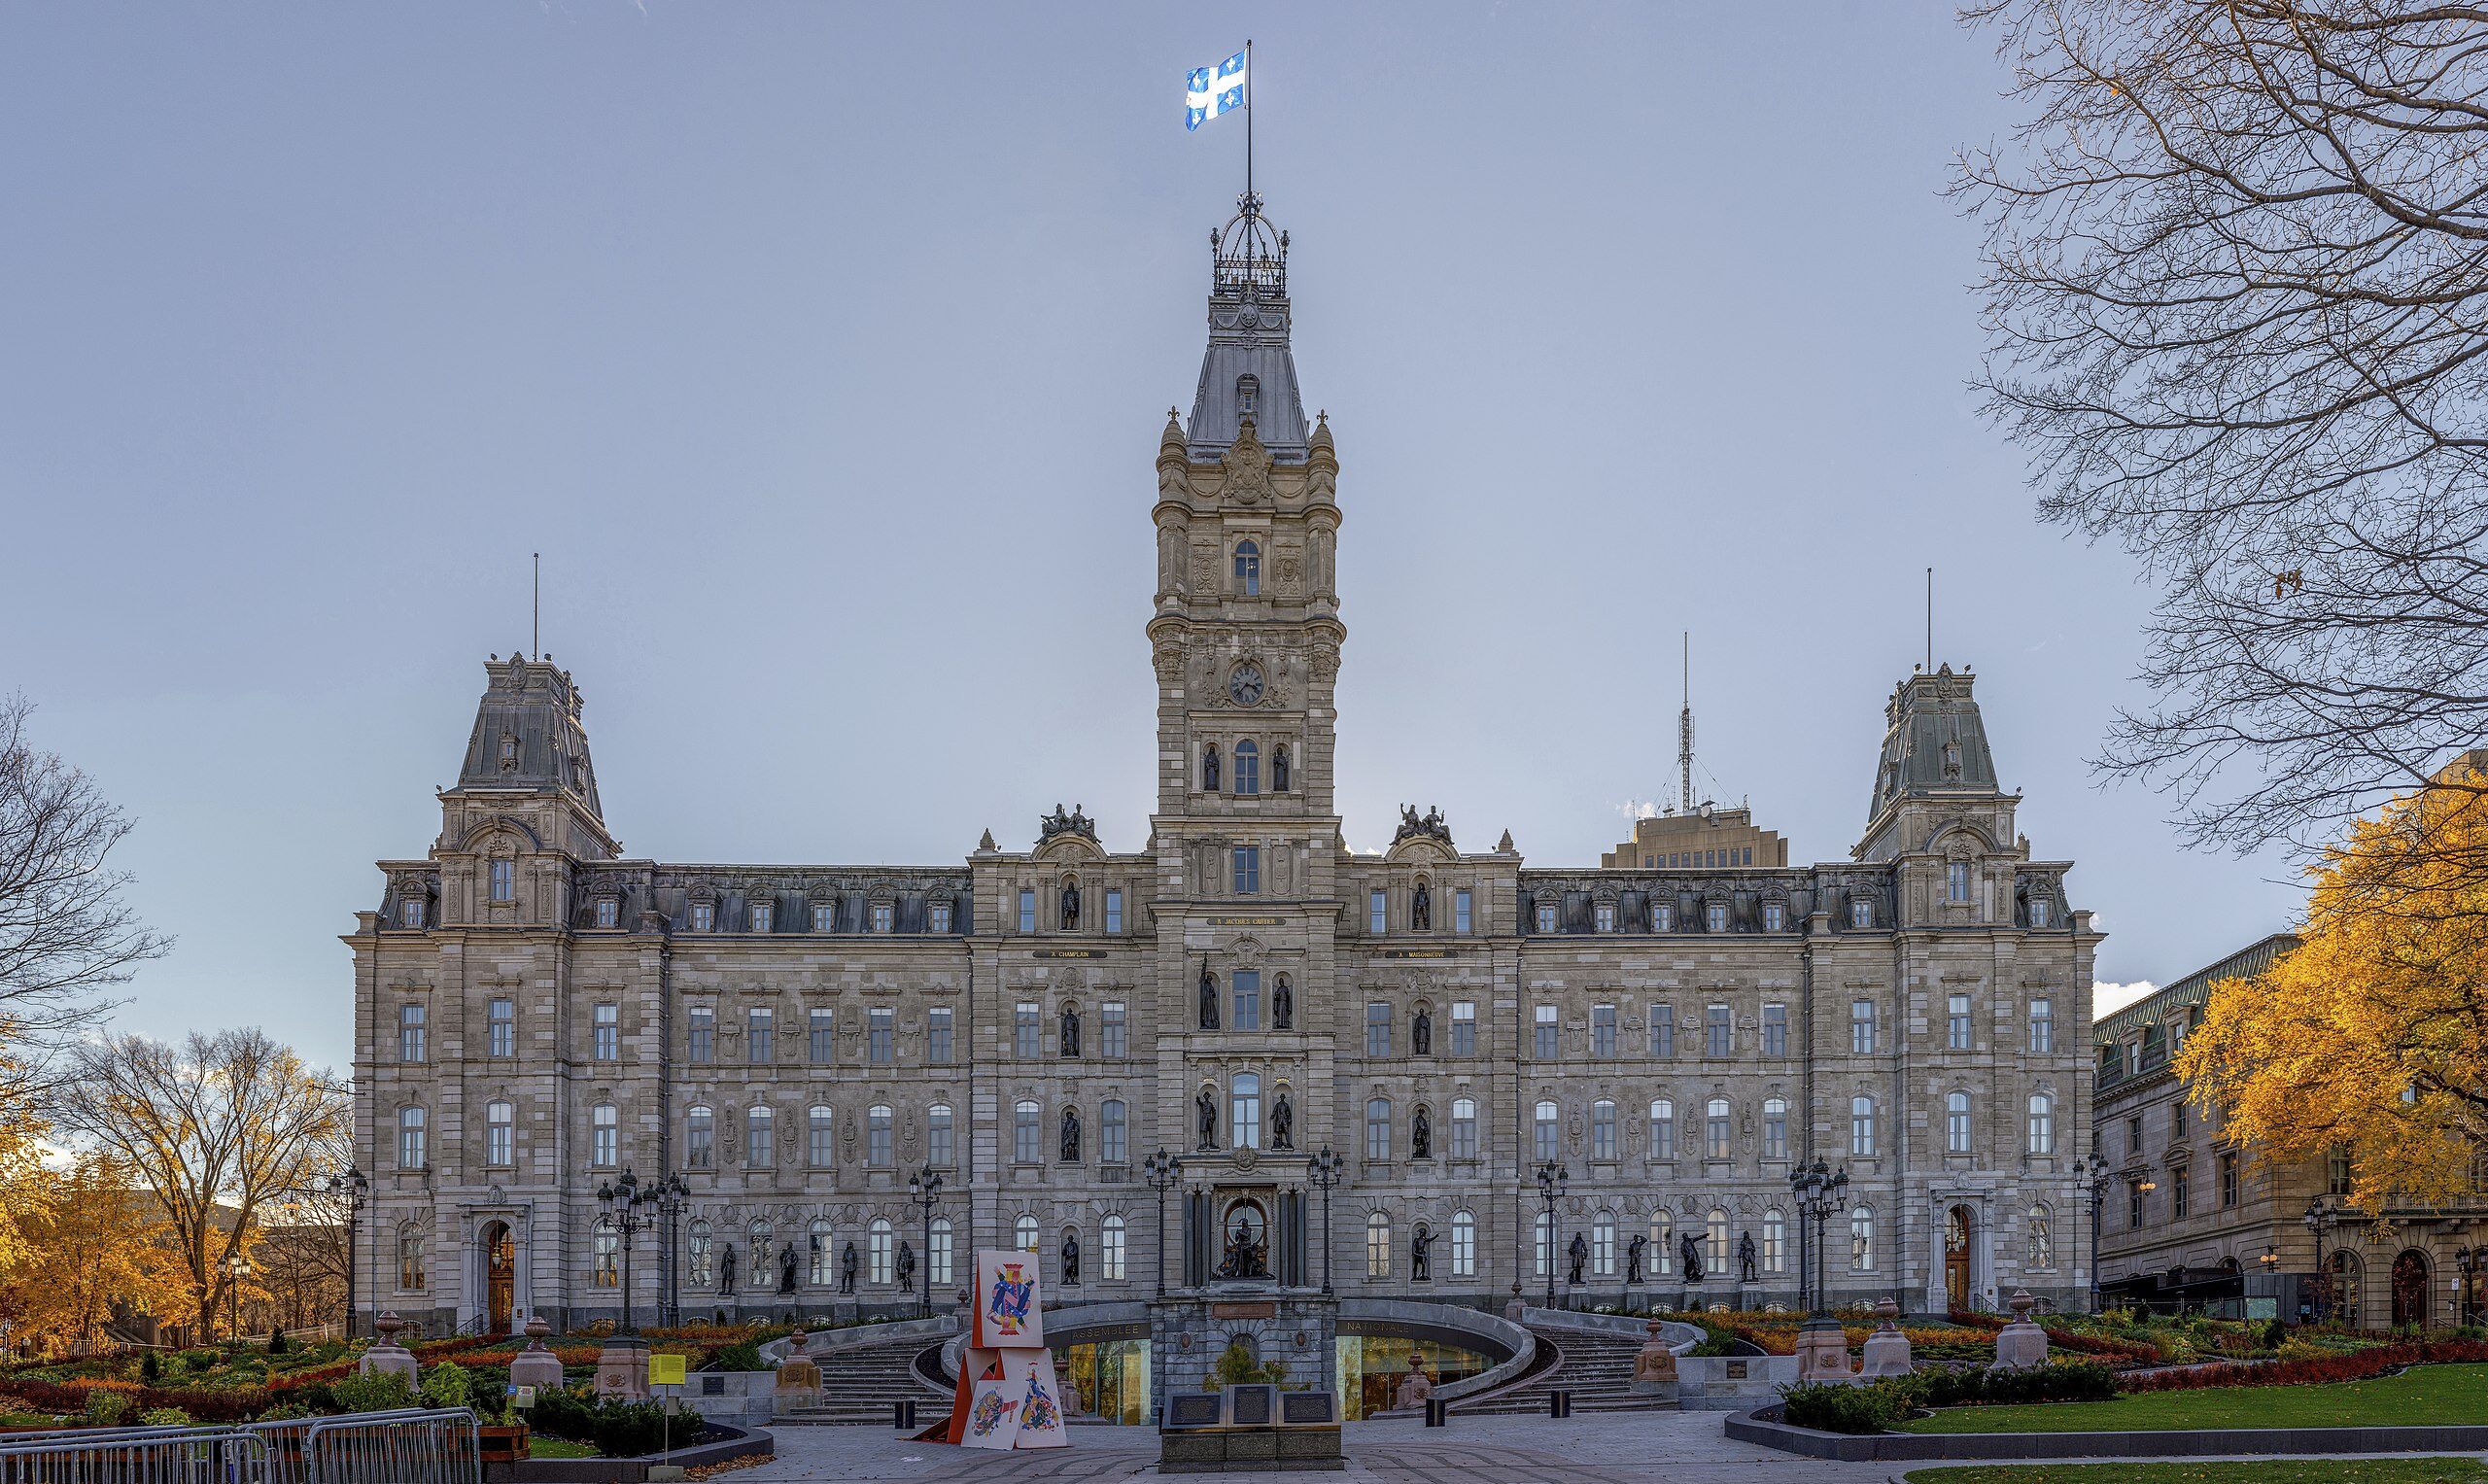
(1546, 917)
(1248, 570)
(938, 918)
(1606, 912)
(1957, 881)
(1861, 913)
(504, 881)
(764, 915)
(1714, 917)
(509, 753)
(1662, 917)
(410, 913)
(608, 911)
(824, 917)
(884, 915)
(1775, 916)
(703, 916)
(1248, 395)
(2038, 912)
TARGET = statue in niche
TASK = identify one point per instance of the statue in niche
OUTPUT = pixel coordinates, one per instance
(1745, 1263)
(1421, 1033)
(1246, 1255)
(1283, 1005)
(1421, 1137)
(786, 1269)
(1578, 1255)
(1070, 906)
(1689, 1253)
(846, 1269)
(1070, 1136)
(726, 1270)
(905, 1265)
(1071, 1256)
(1205, 1109)
(1633, 1258)
(1420, 1262)
(1209, 997)
(1070, 1032)
(1278, 769)
(1282, 1124)
(1421, 910)
(1209, 768)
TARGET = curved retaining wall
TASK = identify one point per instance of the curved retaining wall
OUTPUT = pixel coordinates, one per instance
(1680, 1336)
(824, 1342)
(1447, 1325)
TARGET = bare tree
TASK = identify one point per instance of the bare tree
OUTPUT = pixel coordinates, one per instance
(65, 933)
(216, 1128)
(2238, 297)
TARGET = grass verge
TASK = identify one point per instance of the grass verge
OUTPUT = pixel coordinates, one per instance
(2421, 1395)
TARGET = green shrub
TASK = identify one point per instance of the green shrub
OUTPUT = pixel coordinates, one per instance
(742, 1355)
(1237, 1368)
(151, 1367)
(2063, 1381)
(562, 1411)
(276, 1341)
(106, 1409)
(164, 1417)
(446, 1385)
(1836, 1408)
(617, 1428)
(374, 1391)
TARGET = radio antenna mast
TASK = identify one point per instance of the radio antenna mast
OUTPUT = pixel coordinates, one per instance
(1684, 730)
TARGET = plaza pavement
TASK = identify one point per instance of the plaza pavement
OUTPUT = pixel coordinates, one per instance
(1603, 1448)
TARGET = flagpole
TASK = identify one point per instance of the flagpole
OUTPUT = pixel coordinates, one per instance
(1248, 116)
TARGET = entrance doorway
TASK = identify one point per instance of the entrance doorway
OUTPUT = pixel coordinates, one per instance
(2411, 1289)
(500, 1277)
(1956, 1257)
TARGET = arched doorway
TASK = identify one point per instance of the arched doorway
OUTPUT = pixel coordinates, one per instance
(1956, 1257)
(2411, 1289)
(500, 1276)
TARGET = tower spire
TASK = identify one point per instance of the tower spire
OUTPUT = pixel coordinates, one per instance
(1248, 371)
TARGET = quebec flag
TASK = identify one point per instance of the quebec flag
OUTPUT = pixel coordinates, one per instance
(1208, 92)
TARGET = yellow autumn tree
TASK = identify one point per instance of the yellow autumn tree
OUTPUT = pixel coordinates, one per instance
(2373, 1034)
(95, 1240)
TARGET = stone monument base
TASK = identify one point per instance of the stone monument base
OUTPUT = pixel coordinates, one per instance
(622, 1368)
(1822, 1352)
(1298, 1329)
(1253, 1429)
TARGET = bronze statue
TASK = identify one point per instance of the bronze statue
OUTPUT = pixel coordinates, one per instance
(1278, 769)
(1070, 1136)
(846, 1269)
(1070, 906)
(1283, 1005)
(1209, 997)
(1071, 1256)
(1633, 1258)
(1209, 768)
(1282, 1124)
(1421, 910)
(1206, 1107)
(905, 1265)
(1579, 1256)
(1070, 1032)
(1421, 1136)
(726, 1270)
(1247, 1257)
(1420, 1265)
(786, 1269)
(1689, 1253)
(1746, 1258)
(1421, 1033)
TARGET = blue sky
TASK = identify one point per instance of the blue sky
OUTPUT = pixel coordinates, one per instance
(822, 350)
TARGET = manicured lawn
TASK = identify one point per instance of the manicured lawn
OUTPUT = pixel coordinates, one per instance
(2400, 1470)
(540, 1446)
(2423, 1393)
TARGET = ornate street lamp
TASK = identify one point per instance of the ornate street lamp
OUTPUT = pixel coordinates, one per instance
(1817, 1187)
(1160, 1170)
(2470, 1262)
(926, 1185)
(2092, 1174)
(1326, 1167)
(1552, 1177)
(673, 1196)
(356, 1187)
(626, 1202)
(237, 1268)
(2317, 1217)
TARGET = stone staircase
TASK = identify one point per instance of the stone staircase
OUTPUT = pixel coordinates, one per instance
(857, 1386)
(1596, 1367)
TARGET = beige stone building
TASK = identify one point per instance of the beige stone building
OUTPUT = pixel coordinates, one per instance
(537, 1010)
(1700, 839)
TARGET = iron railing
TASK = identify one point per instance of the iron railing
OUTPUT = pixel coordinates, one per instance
(402, 1447)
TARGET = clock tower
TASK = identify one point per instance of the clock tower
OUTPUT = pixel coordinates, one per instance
(1246, 638)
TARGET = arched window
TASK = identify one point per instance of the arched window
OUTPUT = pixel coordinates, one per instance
(821, 1135)
(1110, 1249)
(1715, 1241)
(760, 1141)
(1717, 1128)
(1248, 395)
(1248, 570)
(413, 1154)
(1244, 1111)
(2348, 1294)
(608, 1254)
(1662, 1253)
(1023, 1233)
(1861, 1126)
(1248, 767)
(605, 1136)
(500, 1140)
(1545, 1131)
(880, 1250)
(1542, 1244)
(1209, 768)
(2043, 1123)
(1662, 1128)
(760, 1234)
(412, 1275)
(1463, 1128)
(704, 1252)
(1114, 1132)
(1603, 1129)
(1023, 1134)
(937, 1256)
(1603, 1244)
(1775, 1128)
(1377, 1246)
(877, 1136)
(1775, 1241)
(1378, 1129)
(941, 1139)
(700, 1134)
(822, 1245)
(1956, 1123)
(1463, 1245)
(2043, 1238)
(1861, 1240)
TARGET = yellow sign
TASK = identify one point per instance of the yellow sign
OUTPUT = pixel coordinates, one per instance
(665, 1369)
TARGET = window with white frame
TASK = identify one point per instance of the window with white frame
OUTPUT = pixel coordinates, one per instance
(1662, 917)
(1775, 1241)
(1956, 1022)
(759, 1136)
(884, 917)
(1377, 1028)
(1861, 1027)
(501, 1122)
(881, 1035)
(1775, 1128)
(1024, 1132)
(1112, 1031)
(1957, 882)
(1714, 916)
(413, 1276)
(608, 1033)
(822, 1245)
(937, 916)
(1113, 1132)
(1463, 1245)
(1464, 1028)
(878, 1153)
(1662, 1250)
(1662, 1029)
(878, 1239)
(2043, 1123)
(1545, 1131)
(1717, 1130)
(412, 1039)
(701, 1245)
(1861, 912)
(1956, 1123)
(1378, 1129)
(1861, 1126)
(1603, 1138)
(938, 1252)
(820, 1034)
(1027, 1034)
(1775, 916)
(1662, 1128)
(1603, 1245)
(1463, 1128)
(1248, 570)
(1714, 1240)
(410, 913)
(700, 1135)
(1861, 1240)
(937, 1035)
(605, 1136)
(941, 1138)
(1719, 1030)
(1111, 1249)
(2043, 1025)
(764, 916)
(1542, 1244)
(1244, 1111)
(702, 1035)
(501, 1028)
(1247, 768)
(504, 885)
(703, 916)
(1603, 916)
(1547, 1027)
(1775, 1030)
(1546, 917)
(760, 1036)
(1602, 1031)
(824, 917)
(1245, 988)
(607, 1245)
(1377, 1246)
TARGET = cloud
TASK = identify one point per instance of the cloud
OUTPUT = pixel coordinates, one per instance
(2107, 999)
(1636, 809)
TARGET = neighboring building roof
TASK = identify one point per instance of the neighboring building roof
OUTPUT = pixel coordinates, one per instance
(2191, 991)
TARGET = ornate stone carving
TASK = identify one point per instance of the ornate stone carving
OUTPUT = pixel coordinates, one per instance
(1430, 823)
(1075, 822)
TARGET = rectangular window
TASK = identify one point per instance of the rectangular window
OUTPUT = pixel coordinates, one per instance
(1662, 917)
(1775, 1030)
(1025, 1030)
(1248, 769)
(1248, 871)
(2133, 1206)
(1603, 916)
(764, 915)
(703, 916)
(1548, 1029)
(505, 888)
(1463, 911)
(1377, 913)
(937, 916)
(704, 1035)
(1719, 1030)
(2227, 1179)
(2180, 1182)
(1023, 1134)
(1775, 916)
(1861, 1027)
(1113, 910)
(881, 1035)
(1957, 882)
(1956, 1022)
(608, 1033)
(608, 911)
(1602, 1030)
(2043, 1026)
(1717, 1130)
(1027, 910)
(1861, 913)
(937, 1035)
(2177, 1121)
(1546, 1134)
(410, 1033)
(941, 1138)
(2337, 1174)
(1112, 1039)
(501, 1028)
(1662, 1030)
(1546, 917)
(824, 917)
(1662, 1131)
(1463, 1128)
(876, 1138)
(2133, 1134)
(1775, 1130)
(820, 1138)
(884, 917)
(1464, 1028)
(1377, 1028)
(1113, 1137)
(821, 1027)
(1861, 1127)
(1247, 987)
(701, 1126)
(1377, 1130)
(760, 1029)
(1602, 1130)
(759, 1138)
(1714, 917)
(604, 1138)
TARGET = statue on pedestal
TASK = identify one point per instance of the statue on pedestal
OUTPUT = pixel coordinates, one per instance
(1209, 1001)
(1633, 1258)
(1578, 1254)
(1689, 1253)
(1282, 1124)
(726, 1270)
(1205, 1111)
(846, 1269)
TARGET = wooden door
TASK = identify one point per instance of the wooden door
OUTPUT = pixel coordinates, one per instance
(1956, 1257)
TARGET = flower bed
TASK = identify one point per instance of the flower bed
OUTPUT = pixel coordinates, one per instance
(2310, 1371)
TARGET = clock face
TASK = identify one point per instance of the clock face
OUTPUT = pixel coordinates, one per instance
(1244, 685)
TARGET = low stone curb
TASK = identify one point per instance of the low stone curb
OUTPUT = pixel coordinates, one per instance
(1905, 1447)
(746, 1442)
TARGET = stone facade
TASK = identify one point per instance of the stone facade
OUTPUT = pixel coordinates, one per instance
(536, 1011)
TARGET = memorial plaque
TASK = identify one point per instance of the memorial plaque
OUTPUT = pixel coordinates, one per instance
(1244, 1311)
(1736, 1370)
(1251, 1406)
(1308, 1407)
(1195, 1410)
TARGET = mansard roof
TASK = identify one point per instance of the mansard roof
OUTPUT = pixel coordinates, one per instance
(1249, 369)
(1934, 742)
(528, 733)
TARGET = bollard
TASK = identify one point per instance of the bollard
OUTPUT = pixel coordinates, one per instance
(903, 1414)
(1437, 1412)
(1559, 1402)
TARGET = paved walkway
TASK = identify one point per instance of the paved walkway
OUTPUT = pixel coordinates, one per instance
(1613, 1448)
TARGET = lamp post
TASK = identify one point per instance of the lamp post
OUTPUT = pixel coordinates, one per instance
(355, 1186)
(1552, 1177)
(2468, 1262)
(1816, 1187)
(2317, 1217)
(1326, 1167)
(237, 1268)
(2092, 1173)
(626, 1202)
(926, 1185)
(673, 1196)
(1161, 1169)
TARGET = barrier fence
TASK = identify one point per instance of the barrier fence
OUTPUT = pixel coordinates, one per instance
(404, 1447)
